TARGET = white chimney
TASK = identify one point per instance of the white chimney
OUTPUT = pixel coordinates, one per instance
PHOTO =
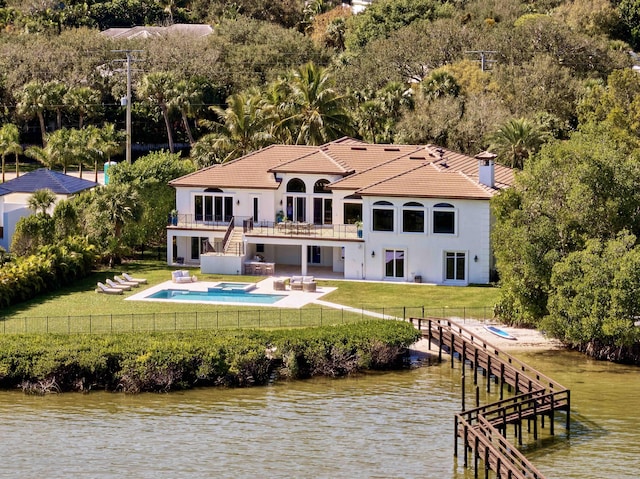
(486, 168)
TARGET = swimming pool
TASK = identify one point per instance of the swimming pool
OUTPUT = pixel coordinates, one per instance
(234, 287)
(216, 295)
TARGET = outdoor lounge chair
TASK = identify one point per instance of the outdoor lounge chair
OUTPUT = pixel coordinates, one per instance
(104, 289)
(296, 283)
(114, 285)
(183, 276)
(309, 286)
(124, 282)
(134, 280)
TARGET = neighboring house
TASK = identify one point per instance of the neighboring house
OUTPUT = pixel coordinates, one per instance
(377, 212)
(15, 194)
(186, 29)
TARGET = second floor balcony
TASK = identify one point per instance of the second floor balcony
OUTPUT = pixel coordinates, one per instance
(287, 229)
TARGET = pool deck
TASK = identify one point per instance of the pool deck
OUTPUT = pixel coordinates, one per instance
(293, 299)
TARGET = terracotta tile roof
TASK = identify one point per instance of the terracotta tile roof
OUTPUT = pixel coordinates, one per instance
(316, 162)
(249, 171)
(425, 180)
(380, 170)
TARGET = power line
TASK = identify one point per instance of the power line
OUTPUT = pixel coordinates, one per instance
(128, 60)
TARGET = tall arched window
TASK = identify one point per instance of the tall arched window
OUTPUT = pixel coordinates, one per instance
(296, 202)
(321, 187)
(322, 204)
(296, 185)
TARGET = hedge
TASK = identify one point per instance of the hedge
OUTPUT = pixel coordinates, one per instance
(166, 361)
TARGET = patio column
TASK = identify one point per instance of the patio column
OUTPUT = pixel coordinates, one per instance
(170, 258)
(303, 260)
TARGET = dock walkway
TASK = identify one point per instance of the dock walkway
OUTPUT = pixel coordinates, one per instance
(483, 429)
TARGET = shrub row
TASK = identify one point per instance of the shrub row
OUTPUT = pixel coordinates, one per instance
(137, 362)
(52, 267)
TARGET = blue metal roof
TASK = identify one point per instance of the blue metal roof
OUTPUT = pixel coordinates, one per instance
(42, 178)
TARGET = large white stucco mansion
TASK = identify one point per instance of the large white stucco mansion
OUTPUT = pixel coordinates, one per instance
(377, 212)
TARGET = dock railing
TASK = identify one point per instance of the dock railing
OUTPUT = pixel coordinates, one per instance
(483, 429)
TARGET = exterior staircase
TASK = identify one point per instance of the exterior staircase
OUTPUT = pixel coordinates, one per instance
(235, 243)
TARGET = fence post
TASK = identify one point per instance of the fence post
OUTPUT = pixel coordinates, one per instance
(111, 322)
(90, 324)
(217, 319)
(196, 320)
(320, 315)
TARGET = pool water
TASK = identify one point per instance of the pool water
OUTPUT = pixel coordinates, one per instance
(234, 287)
(217, 295)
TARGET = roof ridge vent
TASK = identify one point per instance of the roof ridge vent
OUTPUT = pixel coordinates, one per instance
(359, 148)
(392, 149)
(417, 158)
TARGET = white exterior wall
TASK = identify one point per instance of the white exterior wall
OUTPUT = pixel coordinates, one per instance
(425, 252)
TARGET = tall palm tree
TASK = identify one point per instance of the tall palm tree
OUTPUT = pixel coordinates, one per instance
(107, 141)
(32, 103)
(82, 100)
(318, 112)
(515, 140)
(187, 97)
(41, 200)
(241, 128)
(158, 89)
(10, 143)
(62, 147)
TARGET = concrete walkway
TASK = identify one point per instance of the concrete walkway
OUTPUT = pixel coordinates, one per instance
(350, 309)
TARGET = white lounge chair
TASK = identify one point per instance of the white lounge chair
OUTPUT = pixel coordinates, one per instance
(183, 276)
(134, 280)
(124, 282)
(114, 285)
(104, 289)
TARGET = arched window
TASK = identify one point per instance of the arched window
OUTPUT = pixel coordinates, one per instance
(321, 187)
(296, 185)
(383, 216)
(444, 219)
(413, 217)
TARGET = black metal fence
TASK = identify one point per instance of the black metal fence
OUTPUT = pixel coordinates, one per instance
(225, 319)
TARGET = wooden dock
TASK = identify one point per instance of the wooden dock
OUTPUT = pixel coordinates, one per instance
(483, 429)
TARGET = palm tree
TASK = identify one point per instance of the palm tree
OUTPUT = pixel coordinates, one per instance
(242, 127)
(186, 98)
(318, 112)
(42, 155)
(516, 140)
(82, 100)
(107, 141)
(10, 143)
(41, 200)
(439, 84)
(157, 88)
(32, 102)
(62, 147)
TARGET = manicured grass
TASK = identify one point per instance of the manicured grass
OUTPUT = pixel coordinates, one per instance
(80, 309)
(369, 294)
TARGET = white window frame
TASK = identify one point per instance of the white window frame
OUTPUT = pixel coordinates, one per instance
(456, 255)
(451, 209)
(425, 218)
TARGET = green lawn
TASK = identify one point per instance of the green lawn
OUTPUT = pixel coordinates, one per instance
(80, 309)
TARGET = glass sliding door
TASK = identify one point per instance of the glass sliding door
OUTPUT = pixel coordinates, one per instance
(394, 263)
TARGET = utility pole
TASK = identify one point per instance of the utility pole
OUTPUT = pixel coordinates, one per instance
(127, 100)
(483, 57)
